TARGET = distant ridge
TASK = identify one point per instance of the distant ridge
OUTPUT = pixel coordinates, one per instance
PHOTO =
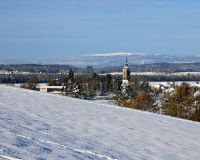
(100, 60)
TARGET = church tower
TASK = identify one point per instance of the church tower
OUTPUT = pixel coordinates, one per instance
(126, 73)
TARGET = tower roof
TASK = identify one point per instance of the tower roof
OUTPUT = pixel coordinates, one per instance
(126, 64)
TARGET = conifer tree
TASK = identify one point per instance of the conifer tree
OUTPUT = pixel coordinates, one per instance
(71, 74)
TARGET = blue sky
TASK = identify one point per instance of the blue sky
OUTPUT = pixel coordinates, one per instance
(43, 29)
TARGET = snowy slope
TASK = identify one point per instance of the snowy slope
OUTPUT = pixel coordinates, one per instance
(41, 126)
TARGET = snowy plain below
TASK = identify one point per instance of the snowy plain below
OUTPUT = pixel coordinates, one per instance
(43, 126)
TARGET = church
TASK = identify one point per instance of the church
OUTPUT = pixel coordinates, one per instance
(126, 74)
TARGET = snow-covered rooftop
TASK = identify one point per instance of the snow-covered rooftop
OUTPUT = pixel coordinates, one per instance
(42, 126)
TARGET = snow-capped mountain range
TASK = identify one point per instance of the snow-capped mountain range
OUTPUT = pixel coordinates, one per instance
(109, 59)
(118, 59)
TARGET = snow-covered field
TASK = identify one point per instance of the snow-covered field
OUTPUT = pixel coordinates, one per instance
(157, 73)
(168, 84)
(42, 126)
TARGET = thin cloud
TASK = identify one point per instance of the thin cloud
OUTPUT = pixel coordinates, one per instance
(161, 2)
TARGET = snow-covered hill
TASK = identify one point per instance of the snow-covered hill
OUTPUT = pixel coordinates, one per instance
(41, 126)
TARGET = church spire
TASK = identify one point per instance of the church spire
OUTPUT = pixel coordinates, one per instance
(126, 61)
